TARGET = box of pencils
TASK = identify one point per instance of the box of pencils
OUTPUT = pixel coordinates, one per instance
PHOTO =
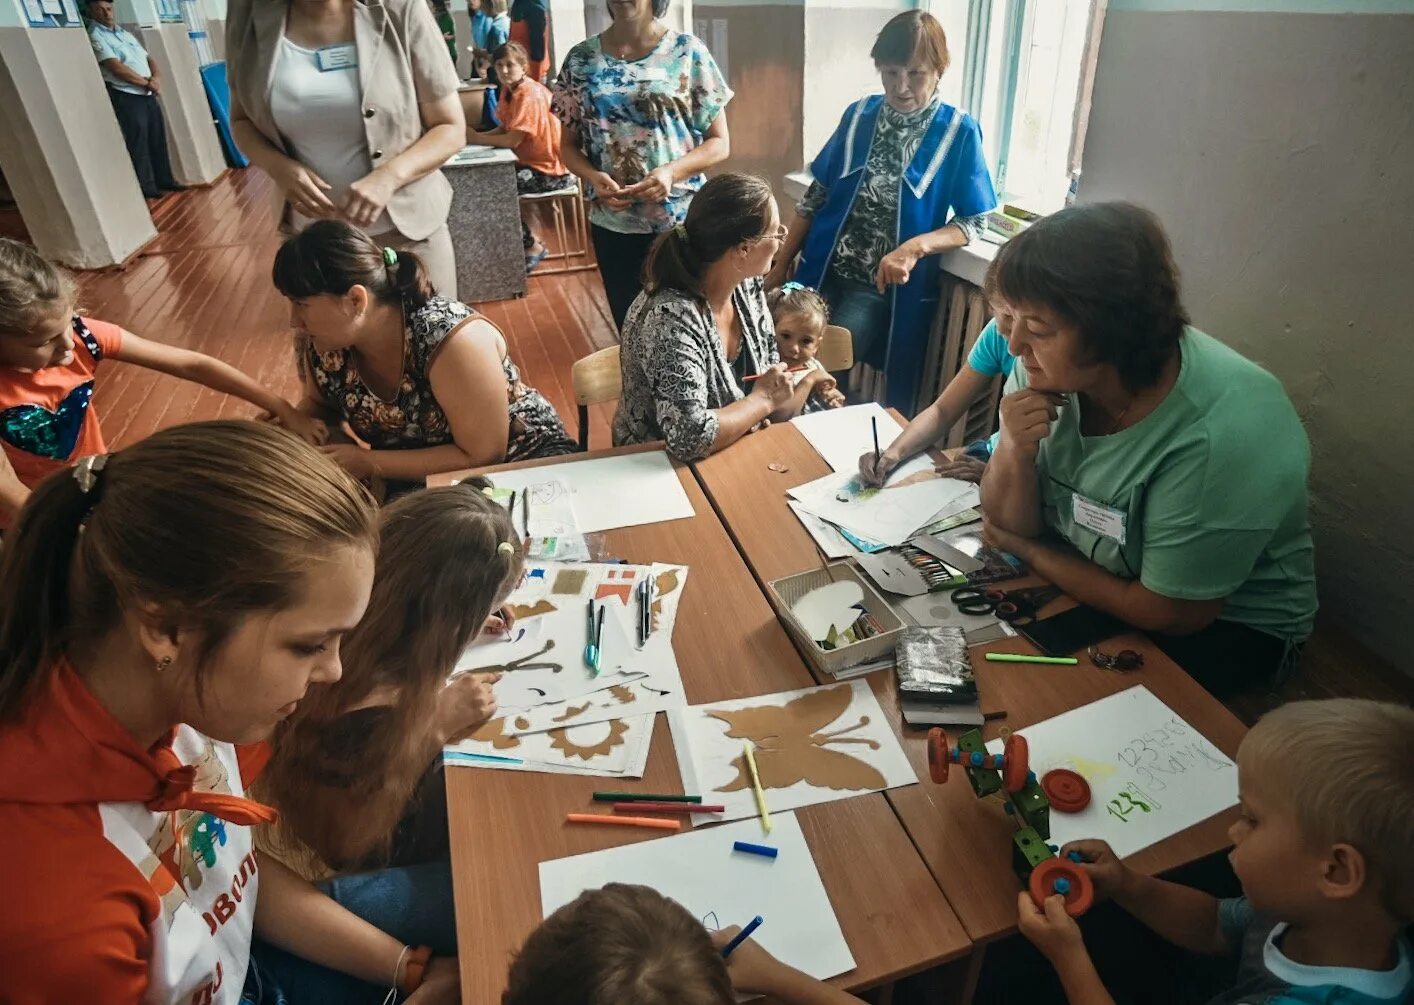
(871, 635)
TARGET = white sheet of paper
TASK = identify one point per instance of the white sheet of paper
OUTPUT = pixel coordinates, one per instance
(827, 607)
(827, 536)
(1151, 774)
(625, 490)
(554, 532)
(701, 872)
(709, 760)
(571, 751)
(840, 435)
(889, 515)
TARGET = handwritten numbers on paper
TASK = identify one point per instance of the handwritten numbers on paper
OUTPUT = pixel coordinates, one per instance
(1130, 799)
(1167, 752)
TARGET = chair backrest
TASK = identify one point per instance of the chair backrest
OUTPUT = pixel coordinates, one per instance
(596, 378)
(836, 349)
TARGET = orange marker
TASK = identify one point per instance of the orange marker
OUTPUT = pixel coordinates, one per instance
(594, 818)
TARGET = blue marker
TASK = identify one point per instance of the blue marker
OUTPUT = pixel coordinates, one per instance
(462, 755)
(741, 936)
(766, 851)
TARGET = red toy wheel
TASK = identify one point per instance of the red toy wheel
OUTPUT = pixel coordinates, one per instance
(1075, 883)
(1067, 790)
(1018, 766)
(938, 754)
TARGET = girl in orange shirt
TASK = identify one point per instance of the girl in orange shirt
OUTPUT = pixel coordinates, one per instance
(530, 128)
(49, 356)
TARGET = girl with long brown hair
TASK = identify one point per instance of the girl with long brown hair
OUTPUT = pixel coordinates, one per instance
(345, 768)
(159, 606)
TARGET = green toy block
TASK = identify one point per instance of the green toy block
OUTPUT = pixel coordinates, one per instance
(984, 781)
(1028, 850)
(1033, 808)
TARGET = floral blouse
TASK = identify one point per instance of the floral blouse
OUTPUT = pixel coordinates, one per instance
(633, 116)
(870, 231)
(676, 372)
(413, 418)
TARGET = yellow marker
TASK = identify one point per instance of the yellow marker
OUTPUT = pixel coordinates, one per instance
(760, 793)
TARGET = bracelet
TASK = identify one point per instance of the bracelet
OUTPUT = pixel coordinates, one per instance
(416, 969)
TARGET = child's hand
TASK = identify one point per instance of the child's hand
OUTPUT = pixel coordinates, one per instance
(774, 385)
(467, 701)
(1049, 929)
(353, 458)
(306, 427)
(833, 398)
(1110, 877)
(751, 968)
(500, 622)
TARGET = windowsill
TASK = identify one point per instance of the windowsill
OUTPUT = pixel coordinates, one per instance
(968, 263)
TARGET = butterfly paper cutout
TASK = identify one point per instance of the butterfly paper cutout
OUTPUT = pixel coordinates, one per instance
(789, 749)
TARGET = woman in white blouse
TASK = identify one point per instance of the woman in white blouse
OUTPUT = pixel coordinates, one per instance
(351, 107)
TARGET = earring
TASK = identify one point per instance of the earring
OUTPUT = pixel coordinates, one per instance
(163, 664)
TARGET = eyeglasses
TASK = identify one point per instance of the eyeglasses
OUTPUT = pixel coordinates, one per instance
(1122, 661)
(779, 234)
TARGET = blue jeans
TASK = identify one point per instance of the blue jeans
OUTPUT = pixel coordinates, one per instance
(865, 312)
(413, 904)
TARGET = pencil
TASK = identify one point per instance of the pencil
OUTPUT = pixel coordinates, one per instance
(654, 822)
(874, 425)
(760, 793)
(525, 511)
(757, 376)
(643, 797)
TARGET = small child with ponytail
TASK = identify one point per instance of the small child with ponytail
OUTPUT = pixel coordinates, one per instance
(800, 315)
(49, 357)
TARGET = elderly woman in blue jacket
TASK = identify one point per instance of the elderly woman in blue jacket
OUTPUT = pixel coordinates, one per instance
(901, 180)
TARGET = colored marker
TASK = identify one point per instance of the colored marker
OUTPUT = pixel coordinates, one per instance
(643, 797)
(741, 937)
(462, 755)
(765, 851)
(1069, 661)
(636, 806)
(657, 823)
(760, 793)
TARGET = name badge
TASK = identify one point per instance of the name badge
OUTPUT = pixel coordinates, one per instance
(336, 57)
(1103, 520)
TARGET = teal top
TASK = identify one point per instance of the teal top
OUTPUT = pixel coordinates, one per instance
(1203, 498)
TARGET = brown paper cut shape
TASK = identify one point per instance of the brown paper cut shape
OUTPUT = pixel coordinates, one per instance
(624, 694)
(789, 749)
(559, 740)
(665, 584)
(572, 712)
(568, 582)
(494, 733)
(616, 583)
(522, 611)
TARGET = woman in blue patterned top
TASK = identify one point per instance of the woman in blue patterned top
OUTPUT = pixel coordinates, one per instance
(644, 113)
(425, 381)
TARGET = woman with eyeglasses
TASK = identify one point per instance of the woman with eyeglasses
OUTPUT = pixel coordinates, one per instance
(901, 181)
(698, 358)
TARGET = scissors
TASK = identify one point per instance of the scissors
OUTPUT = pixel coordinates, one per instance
(1016, 607)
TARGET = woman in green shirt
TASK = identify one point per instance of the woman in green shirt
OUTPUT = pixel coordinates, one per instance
(1172, 469)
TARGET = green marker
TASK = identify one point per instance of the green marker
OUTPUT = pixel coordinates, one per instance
(1069, 661)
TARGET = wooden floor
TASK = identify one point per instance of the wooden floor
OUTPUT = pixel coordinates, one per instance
(204, 283)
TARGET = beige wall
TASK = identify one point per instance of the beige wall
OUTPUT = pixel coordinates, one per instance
(1278, 148)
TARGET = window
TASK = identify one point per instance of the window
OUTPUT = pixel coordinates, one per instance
(1017, 67)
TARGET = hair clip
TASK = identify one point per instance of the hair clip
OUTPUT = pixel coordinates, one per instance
(390, 257)
(792, 286)
(87, 469)
(505, 548)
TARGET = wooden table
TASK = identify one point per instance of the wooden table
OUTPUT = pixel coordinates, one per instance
(729, 645)
(966, 841)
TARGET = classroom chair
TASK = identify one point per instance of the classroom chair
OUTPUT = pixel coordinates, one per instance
(596, 378)
(836, 349)
(570, 221)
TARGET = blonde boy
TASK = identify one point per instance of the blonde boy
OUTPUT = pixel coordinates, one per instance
(1324, 849)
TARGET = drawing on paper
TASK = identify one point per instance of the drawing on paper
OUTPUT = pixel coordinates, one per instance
(613, 736)
(791, 745)
(525, 662)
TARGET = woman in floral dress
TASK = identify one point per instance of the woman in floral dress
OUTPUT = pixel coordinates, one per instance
(424, 381)
(643, 109)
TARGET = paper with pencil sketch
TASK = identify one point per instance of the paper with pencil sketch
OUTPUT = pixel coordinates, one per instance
(722, 887)
(889, 515)
(841, 435)
(553, 533)
(1151, 774)
(622, 490)
(814, 745)
(614, 749)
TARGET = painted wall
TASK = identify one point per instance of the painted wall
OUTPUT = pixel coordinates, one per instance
(1278, 148)
(838, 37)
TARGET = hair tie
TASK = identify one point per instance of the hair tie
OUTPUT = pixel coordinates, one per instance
(792, 286)
(505, 548)
(390, 257)
(87, 470)
(681, 231)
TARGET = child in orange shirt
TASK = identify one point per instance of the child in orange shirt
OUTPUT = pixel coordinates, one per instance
(48, 358)
(530, 129)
